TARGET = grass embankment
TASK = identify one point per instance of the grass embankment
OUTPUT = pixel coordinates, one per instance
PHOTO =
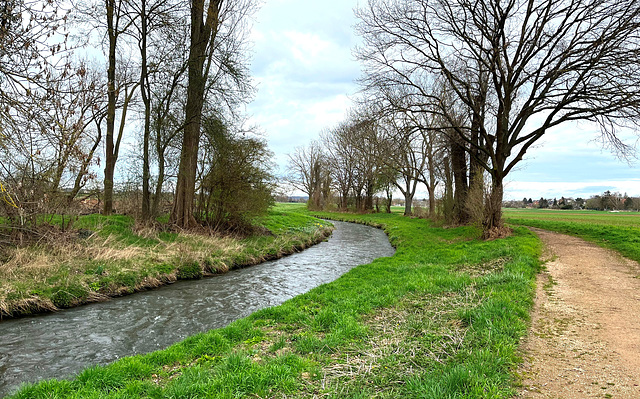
(109, 256)
(442, 318)
(617, 231)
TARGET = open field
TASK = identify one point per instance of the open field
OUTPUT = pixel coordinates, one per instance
(579, 216)
(442, 318)
(617, 231)
(111, 256)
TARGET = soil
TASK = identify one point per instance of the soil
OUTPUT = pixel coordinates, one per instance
(584, 340)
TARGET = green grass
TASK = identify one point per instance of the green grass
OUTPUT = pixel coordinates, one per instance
(442, 318)
(630, 219)
(617, 231)
(107, 256)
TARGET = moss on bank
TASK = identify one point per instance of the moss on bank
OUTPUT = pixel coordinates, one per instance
(442, 318)
(109, 256)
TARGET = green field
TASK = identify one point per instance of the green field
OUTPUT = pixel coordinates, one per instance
(442, 318)
(580, 216)
(619, 231)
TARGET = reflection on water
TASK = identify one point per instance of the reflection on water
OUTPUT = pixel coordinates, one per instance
(58, 345)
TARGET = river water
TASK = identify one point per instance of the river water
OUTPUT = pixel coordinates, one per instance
(59, 345)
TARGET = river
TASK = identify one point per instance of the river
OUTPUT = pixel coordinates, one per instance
(59, 345)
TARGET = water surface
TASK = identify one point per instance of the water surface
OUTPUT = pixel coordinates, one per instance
(59, 345)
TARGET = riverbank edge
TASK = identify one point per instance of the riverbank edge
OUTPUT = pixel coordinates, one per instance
(34, 306)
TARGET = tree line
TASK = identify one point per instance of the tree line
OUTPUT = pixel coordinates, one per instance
(174, 78)
(606, 201)
(480, 83)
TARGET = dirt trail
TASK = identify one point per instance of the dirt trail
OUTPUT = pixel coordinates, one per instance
(584, 340)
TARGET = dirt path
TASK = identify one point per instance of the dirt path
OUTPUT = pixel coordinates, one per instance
(584, 340)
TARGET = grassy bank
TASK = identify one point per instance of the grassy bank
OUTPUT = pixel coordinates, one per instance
(617, 231)
(110, 256)
(442, 318)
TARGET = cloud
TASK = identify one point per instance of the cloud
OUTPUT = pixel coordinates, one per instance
(304, 70)
(571, 161)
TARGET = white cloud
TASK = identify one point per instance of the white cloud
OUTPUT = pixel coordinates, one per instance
(304, 70)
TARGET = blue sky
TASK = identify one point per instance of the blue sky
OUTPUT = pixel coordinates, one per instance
(305, 73)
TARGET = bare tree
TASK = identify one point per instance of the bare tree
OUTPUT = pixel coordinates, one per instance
(76, 107)
(168, 90)
(158, 27)
(520, 67)
(340, 160)
(119, 20)
(112, 21)
(408, 149)
(33, 44)
(307, 171)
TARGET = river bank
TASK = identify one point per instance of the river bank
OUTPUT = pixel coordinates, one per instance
(443, 317)
(105, 257)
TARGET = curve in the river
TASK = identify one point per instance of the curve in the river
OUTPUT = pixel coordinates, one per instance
(58, 345)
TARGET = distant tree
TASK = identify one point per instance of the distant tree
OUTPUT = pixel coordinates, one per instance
(341, 160)
(543, 203)
(595, 203)
(307, 170)
(610, 201)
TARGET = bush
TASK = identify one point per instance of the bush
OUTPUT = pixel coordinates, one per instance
(237, 187)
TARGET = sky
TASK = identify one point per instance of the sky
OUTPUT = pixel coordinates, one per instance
(306, 76)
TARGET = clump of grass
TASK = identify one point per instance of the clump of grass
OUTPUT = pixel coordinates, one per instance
(422, 323)
(189, 270)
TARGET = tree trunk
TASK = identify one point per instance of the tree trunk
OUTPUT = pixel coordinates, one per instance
(144, 90)
(158, 195)
(343, 200)
(110, 162)
(408, 202)
(389, 199)
(432, 201)
(448, 191)
(368, 202)
(459, 169)
(182, 214)
(431, 187)
(493, 209)
(359, 202)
